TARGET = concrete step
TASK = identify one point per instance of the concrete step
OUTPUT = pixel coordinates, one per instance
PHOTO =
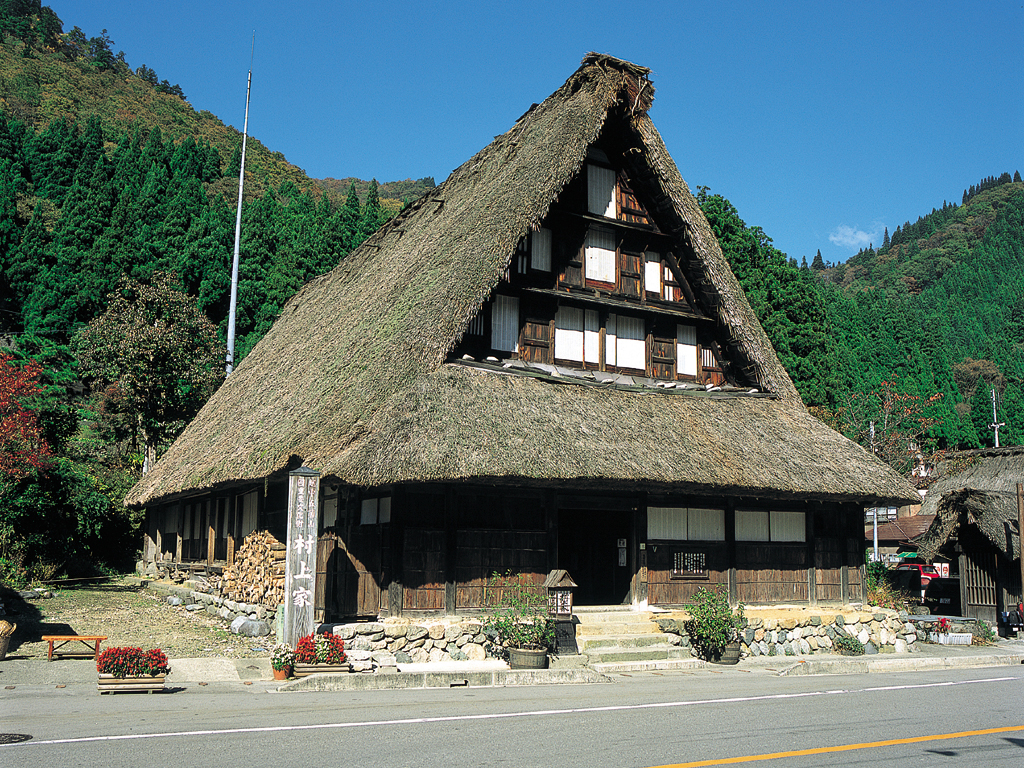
(617, 628)
(614, 617)
(596, 643)
(647, 665)
(634, 655)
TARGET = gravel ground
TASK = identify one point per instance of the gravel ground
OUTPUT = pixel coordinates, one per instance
(128, 616)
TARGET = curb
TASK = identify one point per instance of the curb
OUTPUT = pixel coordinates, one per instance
(397, 680)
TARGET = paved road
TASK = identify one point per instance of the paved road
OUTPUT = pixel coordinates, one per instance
(645, 719)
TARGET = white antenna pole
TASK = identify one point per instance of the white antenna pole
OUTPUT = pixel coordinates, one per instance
(238, 225)
(996, 424)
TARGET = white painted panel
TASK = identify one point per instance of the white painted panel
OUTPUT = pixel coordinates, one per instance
(569, 334)
(706, 525)
(666, 523)
(592, 337)
(505, 323)
(330, 512)
(540, 242)
(752, 525)
(686, 350)
(610, 340)
(601, 191)
(600, 256)
(652, 272)
(249, 502)
(368, 511)
(631, 343)
(788, 526)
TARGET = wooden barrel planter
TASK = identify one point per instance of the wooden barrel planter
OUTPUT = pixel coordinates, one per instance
(729, 655)
(148, 683)
(305, 670)
(527, 658)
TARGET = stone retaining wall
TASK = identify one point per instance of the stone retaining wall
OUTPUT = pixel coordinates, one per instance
(882, 631)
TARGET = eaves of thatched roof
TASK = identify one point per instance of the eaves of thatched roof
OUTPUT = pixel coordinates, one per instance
(982, 494)
(355, 377)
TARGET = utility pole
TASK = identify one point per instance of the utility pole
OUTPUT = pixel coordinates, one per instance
(238, 226)
(996, 424)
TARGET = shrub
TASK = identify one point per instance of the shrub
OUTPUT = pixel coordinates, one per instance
(320, 649)
(849, 645)
(132, 662)
(521, 618)
(712, 623)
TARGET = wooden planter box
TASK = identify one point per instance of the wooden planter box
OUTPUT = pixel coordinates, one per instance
(950, 638)
(149, 683)
(305, 670)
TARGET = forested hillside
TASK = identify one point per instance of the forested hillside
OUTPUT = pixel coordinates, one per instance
(914, 335)
(117, 220)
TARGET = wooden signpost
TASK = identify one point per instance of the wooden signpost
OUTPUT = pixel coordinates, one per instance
(300, 568)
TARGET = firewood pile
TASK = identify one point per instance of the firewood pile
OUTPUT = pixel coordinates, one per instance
(257, 576)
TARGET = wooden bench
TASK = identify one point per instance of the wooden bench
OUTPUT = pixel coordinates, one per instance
(92, 642)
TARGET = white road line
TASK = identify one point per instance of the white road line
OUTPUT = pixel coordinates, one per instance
(499, 716)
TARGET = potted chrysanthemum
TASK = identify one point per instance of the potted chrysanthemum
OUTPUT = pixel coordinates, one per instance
(282, 659)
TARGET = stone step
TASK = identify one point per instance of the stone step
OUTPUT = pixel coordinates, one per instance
(647, 665)
(614, 617)
(596, 643)
(632, 655)
(617, 628)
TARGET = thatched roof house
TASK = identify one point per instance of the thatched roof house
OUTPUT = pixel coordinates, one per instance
(507, 331)
(977, 525)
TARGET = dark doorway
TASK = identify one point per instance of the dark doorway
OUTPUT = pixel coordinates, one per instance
(588, 548)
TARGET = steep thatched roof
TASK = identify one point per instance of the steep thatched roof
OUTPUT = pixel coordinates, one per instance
(355, 378)
(983, 494)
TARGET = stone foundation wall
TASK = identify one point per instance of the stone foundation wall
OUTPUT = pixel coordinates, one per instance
(880, 632)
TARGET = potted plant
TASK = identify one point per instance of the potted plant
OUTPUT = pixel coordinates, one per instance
(943, 636)
(131, 669)
(713, 626)
(282, 659)
(316, 653)
(520, 625)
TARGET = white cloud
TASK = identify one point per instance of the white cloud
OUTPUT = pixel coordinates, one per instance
(856, 239)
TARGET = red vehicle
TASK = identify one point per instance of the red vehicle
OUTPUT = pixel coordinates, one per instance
(927, 572)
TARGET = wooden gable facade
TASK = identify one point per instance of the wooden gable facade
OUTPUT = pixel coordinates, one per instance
(545, 363)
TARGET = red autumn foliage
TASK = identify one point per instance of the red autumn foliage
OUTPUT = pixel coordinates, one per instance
(22, 446)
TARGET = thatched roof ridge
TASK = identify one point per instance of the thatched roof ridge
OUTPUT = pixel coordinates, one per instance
(984, 495)
(357, 352)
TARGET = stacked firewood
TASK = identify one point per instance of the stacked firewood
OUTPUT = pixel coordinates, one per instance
(257, 576)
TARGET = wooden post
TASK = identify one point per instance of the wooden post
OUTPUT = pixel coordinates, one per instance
(1020, 535)
(211, 528)
(812, 570)
(450, 545)
(300, 561)
(730, 551)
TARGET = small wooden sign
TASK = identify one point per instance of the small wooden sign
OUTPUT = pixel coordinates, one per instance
(300, 563)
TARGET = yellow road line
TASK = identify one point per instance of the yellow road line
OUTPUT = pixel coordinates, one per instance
(842, 748)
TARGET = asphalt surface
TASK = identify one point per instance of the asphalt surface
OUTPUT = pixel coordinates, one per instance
(19, 671)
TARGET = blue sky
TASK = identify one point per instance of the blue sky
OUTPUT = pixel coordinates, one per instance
(822, 123)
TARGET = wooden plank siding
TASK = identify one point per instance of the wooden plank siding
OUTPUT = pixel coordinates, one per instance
(664, 589)
(771, 573)
(482, 552)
